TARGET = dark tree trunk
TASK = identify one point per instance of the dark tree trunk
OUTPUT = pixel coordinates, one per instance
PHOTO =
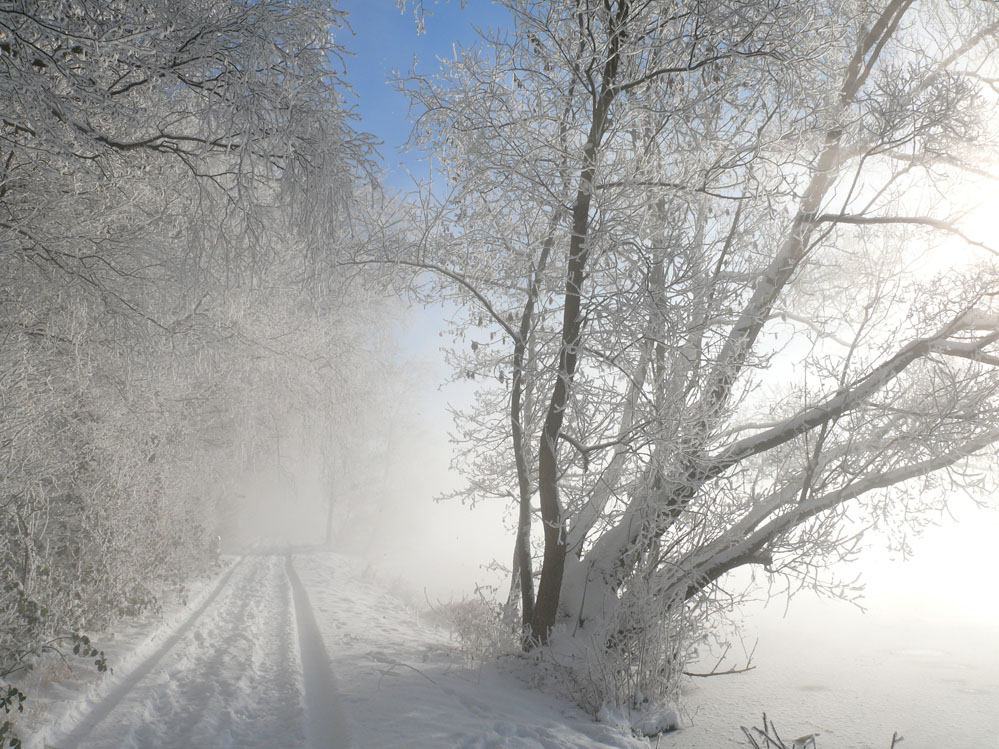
(553, 562)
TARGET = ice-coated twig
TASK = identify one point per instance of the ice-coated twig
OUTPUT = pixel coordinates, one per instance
(396, 664)
(772, 740)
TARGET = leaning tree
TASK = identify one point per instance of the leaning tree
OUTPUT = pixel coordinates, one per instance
(708, 267)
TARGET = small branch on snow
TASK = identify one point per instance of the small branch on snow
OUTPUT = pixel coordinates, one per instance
(729, 672)
(397, 664)
(734, 670)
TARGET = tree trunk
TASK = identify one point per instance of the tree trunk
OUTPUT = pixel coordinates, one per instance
(553, 563)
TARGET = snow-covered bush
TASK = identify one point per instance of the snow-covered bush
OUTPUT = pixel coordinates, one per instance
(479, 627)
(91, 525)
(617, 663)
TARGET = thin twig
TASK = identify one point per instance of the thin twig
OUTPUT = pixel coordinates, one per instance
(394, 665)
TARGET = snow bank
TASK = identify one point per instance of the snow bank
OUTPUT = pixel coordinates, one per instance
(61, 692)
(403, 684)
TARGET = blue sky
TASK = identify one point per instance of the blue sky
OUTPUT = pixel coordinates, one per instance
(386, 40)
(429, 539)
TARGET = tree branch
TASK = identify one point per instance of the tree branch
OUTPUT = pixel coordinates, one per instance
(447, 273)
(934, 223)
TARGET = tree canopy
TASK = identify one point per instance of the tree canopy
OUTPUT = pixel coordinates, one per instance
(175, 179)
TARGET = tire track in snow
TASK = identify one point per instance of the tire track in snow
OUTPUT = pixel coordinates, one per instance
(326, 725)
(232, 680)
(109, 701)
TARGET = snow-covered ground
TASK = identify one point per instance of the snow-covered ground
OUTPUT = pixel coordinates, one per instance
(403, 684)
(854, 679)
(305, 650)
(298, 651)
(227, 674)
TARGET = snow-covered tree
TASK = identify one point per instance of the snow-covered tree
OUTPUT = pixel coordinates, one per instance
(694, 245)
(172, 177)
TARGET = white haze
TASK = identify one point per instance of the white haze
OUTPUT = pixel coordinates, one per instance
(390, 513)
(921, 658)
(445, 547)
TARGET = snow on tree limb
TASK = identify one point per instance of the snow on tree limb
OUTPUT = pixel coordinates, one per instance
(697, 179)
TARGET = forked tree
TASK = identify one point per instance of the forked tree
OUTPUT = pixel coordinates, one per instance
(708, 256)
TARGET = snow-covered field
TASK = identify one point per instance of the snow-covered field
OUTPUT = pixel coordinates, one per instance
(305, 650)
(855, 686)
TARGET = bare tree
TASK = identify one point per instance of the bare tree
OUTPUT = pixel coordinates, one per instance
(692, 245)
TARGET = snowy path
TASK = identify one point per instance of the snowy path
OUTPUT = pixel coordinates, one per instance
(245, 669)
(327, 726)
(251, 661)
(406, 686)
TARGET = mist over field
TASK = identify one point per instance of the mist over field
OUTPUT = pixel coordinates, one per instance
(518, 374)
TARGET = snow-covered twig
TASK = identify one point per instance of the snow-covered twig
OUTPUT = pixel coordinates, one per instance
(396, 664)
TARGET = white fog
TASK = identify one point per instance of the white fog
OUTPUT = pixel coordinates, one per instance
(543, 374)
